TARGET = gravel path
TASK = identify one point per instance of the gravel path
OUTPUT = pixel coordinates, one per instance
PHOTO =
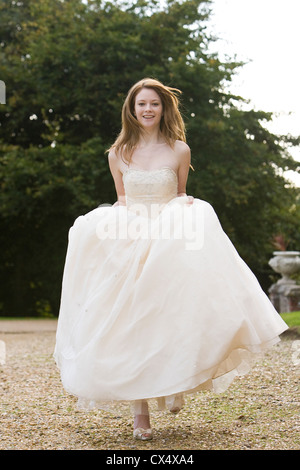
(259, 411)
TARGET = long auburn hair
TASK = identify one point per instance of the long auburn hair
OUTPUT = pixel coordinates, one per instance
(171, 125)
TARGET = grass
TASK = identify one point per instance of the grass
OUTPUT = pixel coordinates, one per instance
(292, 319)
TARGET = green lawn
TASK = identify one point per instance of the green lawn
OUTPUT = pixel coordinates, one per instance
(292, 319)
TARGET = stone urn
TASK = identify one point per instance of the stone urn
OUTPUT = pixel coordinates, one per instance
(285, 293)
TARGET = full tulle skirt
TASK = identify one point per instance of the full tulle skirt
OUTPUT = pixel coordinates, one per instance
(157, 306)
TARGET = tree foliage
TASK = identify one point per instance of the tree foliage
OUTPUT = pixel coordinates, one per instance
(67, 66)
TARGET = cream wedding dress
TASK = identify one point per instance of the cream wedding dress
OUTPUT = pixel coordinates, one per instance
(156, 302)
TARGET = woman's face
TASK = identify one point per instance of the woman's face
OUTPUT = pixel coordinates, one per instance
(148, 108)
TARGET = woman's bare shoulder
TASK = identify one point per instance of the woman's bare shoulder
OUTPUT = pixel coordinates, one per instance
(182, 150)
(116, 162)
(113, 160)
(112, 155)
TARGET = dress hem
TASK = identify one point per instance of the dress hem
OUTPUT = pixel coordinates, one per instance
(238, 363)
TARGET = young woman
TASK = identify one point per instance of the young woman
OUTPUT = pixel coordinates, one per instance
(156, 302)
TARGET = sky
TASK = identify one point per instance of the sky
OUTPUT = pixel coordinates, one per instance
(266, 35)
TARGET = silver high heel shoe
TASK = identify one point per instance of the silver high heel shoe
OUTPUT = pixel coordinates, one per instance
(143, 434)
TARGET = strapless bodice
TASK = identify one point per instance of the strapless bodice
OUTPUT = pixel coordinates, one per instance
(150, 187)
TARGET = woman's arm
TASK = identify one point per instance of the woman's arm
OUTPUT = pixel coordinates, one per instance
(118, 178)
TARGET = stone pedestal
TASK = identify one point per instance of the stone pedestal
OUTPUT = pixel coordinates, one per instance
(285, 293)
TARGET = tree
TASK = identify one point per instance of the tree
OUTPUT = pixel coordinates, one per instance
(43, 190)
(67, 66)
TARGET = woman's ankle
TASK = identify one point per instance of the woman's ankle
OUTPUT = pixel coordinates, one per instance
(142, 421)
